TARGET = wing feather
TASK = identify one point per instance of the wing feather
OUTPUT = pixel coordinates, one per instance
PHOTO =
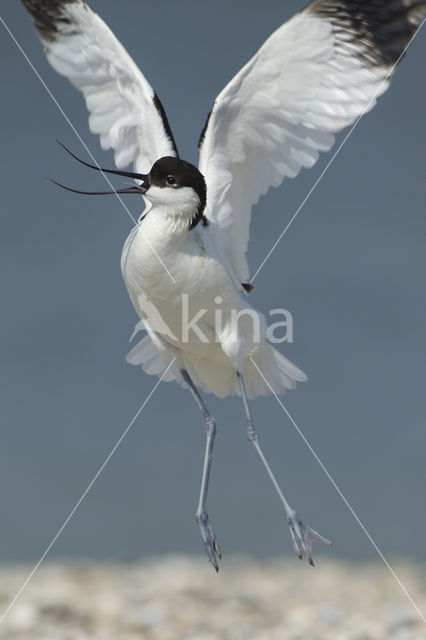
(124, 110)
(313, 77)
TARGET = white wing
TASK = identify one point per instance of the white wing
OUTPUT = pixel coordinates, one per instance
(314, 76)
(124, 109)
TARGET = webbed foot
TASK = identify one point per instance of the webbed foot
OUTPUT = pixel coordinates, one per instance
(303, 537)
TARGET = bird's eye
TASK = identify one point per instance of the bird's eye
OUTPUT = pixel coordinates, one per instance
(171, 180)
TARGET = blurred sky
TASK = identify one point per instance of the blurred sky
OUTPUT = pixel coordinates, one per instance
(351, 270)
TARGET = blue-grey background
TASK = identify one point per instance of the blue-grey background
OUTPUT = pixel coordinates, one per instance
(351, 270)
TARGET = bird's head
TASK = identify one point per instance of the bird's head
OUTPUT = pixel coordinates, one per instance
(177, 187)
(173, 185)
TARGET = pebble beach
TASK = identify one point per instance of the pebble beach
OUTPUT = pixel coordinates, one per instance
(181, 598)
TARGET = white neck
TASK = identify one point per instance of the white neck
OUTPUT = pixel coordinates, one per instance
(177, 207)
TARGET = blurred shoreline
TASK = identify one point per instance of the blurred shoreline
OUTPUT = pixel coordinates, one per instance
(180, 597)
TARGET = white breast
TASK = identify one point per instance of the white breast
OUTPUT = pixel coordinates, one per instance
(172, 277)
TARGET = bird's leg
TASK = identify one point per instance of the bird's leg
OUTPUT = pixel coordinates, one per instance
(302, 535)
(210, 542)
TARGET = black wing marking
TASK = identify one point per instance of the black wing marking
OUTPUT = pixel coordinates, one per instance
(166, 125)
(203, 133)
(47, 14)
(382, 28)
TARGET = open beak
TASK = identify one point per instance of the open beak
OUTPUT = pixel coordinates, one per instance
(138, 188)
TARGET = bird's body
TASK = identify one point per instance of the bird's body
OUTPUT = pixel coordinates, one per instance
(196, 283)
(186, 259)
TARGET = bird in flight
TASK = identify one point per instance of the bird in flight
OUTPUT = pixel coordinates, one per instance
(184, 263)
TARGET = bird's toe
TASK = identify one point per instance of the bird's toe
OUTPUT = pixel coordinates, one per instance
(303, 536)
(211, 544)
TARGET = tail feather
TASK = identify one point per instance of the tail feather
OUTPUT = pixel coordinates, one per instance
(273, 373)
(152, 361)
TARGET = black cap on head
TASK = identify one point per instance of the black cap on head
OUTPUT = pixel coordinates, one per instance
(184, 173)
